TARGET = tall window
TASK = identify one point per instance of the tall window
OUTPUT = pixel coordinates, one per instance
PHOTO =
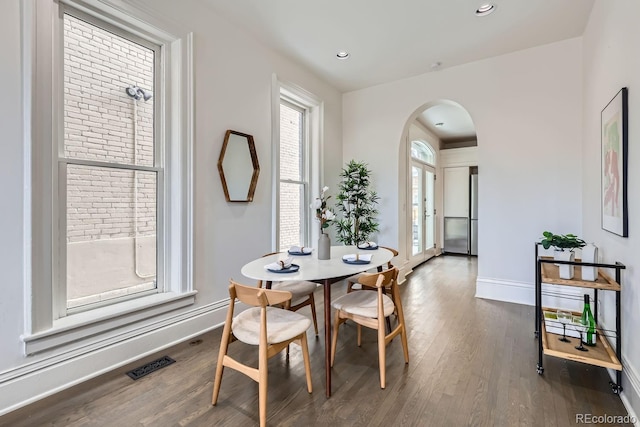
(110, 140)
(108, 165)
(293, 181)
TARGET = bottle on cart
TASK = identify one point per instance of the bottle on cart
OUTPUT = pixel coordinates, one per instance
(590, 336)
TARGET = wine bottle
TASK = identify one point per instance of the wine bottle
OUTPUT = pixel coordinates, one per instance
(587, 317)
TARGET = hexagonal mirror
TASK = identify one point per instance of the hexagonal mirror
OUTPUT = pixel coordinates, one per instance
(238, 167)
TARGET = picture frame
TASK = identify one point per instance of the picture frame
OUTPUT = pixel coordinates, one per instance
(613, 171)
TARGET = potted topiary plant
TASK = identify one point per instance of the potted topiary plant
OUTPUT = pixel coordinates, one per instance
(564, 246)
(357, 203)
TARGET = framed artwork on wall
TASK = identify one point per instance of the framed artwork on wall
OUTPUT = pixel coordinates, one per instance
(613, 172)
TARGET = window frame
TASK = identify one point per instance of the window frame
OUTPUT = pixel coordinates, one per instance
(43, 133)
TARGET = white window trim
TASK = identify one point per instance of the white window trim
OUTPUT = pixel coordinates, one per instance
(41, 96)
(313, 145)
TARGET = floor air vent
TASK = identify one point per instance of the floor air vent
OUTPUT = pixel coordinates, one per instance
(150, 367)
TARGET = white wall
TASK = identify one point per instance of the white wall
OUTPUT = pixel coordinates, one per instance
(611, 45)
(526, 107)
(233, 87)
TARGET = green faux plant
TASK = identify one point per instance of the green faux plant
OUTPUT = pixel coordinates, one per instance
(357, 203)
(561, 241)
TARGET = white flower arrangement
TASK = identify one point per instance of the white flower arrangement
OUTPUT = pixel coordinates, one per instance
(324, 215)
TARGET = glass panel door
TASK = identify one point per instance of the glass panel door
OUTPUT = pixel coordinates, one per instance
(423, 220)
(417, 210)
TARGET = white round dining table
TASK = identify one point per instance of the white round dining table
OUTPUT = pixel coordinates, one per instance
(324, 272)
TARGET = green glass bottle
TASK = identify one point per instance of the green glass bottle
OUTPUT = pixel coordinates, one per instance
(590, 338)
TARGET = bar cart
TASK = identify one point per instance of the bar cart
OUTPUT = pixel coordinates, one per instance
(600, 355)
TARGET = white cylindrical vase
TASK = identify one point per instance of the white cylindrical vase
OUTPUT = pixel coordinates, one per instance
(565, 271)
(590, 254)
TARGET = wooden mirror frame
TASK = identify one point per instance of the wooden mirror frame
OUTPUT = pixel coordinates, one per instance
(254, 162)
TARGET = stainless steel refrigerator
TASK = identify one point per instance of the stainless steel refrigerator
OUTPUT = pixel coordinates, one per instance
(461, 211)
(473, 213)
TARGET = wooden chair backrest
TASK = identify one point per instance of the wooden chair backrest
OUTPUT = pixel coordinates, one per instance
(393, 251)
(385, 278)
(257, 297)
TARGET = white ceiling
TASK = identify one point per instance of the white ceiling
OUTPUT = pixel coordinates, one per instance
(456, 123)
(394, 39)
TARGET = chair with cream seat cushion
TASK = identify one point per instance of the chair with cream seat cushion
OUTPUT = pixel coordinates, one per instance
(301, 295)
(370, 308)
(270, 328)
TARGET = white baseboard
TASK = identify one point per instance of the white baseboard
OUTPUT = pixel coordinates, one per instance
(23, 386)
(631, 389)
(403, 271)
(505, 290)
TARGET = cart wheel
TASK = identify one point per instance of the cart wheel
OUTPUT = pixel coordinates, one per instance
(615, 388)
(539, 369)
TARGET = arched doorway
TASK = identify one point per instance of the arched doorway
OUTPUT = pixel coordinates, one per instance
(438, 137)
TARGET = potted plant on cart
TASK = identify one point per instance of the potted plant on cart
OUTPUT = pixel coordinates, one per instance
(564, 246)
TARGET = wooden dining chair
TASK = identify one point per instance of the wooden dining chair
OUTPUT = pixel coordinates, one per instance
(302, 295)
(270, 328)
(353, 284)
(352, 281)
(369, 308)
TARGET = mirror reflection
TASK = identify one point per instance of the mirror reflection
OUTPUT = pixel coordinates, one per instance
(238, 167)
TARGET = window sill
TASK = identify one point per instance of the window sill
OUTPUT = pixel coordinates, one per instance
(84, 327)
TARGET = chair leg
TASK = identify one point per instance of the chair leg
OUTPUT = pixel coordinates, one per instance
(405, 345)
(359, 329)
(382, 361)
(403, 333)
(224, 346)
(307, 362)
(262, 386)
(313, 313)
(334, 343)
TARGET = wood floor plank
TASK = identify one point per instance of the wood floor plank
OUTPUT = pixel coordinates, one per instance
(472, 363)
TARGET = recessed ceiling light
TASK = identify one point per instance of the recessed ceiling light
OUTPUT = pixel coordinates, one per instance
(440, 124)
(485, 9)
(343, 55)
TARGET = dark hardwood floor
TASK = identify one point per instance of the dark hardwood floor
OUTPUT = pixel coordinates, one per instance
(472, 363)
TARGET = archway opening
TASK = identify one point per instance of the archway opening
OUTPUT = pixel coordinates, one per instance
(439, 177)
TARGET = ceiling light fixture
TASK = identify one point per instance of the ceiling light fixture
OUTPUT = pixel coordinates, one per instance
(485, 9)
(343, 55)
